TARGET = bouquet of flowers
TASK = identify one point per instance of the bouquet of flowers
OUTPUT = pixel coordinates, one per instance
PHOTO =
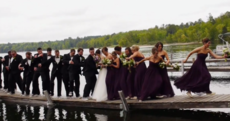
(97, 59)
(123, 56)
(226, 51)
(162, 65)
(106, 62)
(174, 66)
(129, 64)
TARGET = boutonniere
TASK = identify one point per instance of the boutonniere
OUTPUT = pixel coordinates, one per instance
(14, 58)
(82, 59)
(61, 57)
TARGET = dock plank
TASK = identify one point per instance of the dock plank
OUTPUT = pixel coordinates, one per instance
(177, 102)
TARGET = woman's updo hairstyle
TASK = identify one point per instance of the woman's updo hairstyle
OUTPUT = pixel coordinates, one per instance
(135, 47)
(205, 40)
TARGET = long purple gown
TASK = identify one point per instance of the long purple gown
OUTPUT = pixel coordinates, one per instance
(138, 79)
(123, 74)
(117, 80)
(130, 82)
(166, 86)
(197, 79)
(152, 82)
(110, 82)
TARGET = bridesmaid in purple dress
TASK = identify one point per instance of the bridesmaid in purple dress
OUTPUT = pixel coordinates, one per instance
(123, 73)
(130, 76)
(140, 70)
(109, 76)
(197, 79)
(116, 70)
(152, 79)
(167, 89)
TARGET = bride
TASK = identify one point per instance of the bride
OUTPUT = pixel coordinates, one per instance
(100, 90)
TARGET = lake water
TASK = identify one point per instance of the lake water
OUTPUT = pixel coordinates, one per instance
(18, 112)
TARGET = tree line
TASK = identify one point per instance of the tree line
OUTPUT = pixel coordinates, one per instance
(169, 33)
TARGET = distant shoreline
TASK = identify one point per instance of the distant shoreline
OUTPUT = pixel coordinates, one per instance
(172, 44)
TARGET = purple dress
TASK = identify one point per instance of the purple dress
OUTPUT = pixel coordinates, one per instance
(130, 82)
(123, 74)
(117, 72)
(139, 76)
(152, 83)
(110, 81)
(166, 86)
(197, 79)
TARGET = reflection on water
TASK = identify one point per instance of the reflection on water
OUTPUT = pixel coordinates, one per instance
(16, 112)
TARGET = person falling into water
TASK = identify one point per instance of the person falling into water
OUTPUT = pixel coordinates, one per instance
(197, 79)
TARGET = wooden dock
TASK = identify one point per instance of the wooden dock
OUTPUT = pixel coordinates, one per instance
(177, 102)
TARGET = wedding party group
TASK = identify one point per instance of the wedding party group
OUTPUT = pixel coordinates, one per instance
(117, 71)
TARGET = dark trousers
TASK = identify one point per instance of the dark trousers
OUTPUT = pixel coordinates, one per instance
(45, 80)
(27, 79)
(14, 78)
(6, 79)
(35, 90)
(65, 77)
(0, 80)
(90, 84)
(74, 79)
(59, 83)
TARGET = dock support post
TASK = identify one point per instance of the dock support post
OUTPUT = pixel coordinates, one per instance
(48, 98)
(182, 67)
(123, 100)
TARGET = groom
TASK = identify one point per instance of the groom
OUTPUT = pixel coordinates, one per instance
(89, 71)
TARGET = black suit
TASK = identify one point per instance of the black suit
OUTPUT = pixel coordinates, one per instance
(45, 72)
(74, 71)
(37, 60)
(56, 72)
(27, 75)
(14, 75)
(89, 71)
(1, 72)
(65, 72)
(6, 72)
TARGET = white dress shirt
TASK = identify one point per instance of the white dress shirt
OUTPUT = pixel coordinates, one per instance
(29, 62)
(57, 59)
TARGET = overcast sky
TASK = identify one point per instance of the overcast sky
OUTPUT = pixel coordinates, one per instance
(43, 20)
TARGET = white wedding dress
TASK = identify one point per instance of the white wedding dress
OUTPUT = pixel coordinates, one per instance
(100, 90)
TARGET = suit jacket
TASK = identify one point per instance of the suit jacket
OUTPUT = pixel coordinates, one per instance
(37, 61)
(28, 69)
(57, 67)
(6, 63)
(78, 63)
(0, 65)
(65, 63)
(14, 64)
(90, 68)
(46, 62)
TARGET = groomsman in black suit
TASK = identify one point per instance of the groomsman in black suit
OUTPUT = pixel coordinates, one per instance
(67, 60)
(74, 71)
(56, 73)
(1, 72)
(37, 60)
(27, 65)
(6, 65)
(14, 75)
(90, 71)
(45, 72)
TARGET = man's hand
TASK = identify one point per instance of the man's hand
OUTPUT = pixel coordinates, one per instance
(39, 65)
(3, 60)
(71, 62)
(35, 69)
(7, 68)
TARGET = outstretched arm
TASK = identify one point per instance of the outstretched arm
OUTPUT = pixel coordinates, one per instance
(167, 58)
(133, 55)
(194, 51)
(147, 58)
(215, 56)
